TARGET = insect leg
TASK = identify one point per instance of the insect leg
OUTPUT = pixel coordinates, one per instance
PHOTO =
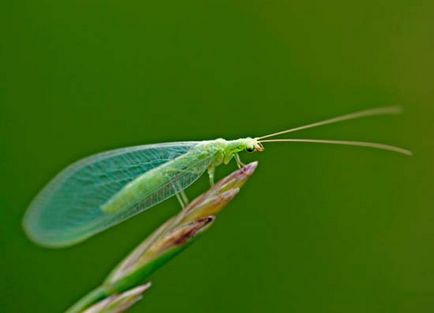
(211, 170)
(179, 192)
(181, 201)
(238, 160)
(182, 198)
(180, 195)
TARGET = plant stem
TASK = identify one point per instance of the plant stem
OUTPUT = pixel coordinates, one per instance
(89, 299)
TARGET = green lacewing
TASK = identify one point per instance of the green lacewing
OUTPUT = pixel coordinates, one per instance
(105, 189)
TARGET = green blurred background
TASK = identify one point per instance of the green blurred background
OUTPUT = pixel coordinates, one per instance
(317, 229)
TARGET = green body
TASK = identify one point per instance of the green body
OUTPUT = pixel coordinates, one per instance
(102, 190)
(212, 152)
(107, 188)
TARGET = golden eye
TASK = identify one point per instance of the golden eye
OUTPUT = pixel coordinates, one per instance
(250, 149)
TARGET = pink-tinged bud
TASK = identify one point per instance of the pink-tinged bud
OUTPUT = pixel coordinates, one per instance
(172, 236)
(118, 303)
(118, 290)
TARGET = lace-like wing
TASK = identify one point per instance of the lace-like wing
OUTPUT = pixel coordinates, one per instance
(70, 208)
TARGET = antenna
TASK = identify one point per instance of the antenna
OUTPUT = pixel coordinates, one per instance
(375, 145)
(352, 116)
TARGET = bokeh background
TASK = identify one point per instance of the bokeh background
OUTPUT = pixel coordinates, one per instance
(317, 229)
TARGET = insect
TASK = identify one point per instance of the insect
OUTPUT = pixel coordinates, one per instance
(105, 189)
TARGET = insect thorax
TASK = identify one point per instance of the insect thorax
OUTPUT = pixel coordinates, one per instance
(224, 150)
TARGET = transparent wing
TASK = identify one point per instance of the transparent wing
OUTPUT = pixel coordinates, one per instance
(68, 209)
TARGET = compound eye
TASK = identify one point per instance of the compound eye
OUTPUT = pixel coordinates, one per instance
(250, 149)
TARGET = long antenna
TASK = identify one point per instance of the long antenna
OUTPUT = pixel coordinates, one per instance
(375, 145)
(351, 116)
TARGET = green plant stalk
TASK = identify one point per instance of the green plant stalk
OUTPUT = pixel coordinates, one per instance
(120, 290)
(142, 274)
(119, 302)
(129, 281)
(92, 297)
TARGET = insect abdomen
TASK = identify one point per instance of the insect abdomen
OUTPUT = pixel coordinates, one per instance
(160, 183)
(133, 192)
